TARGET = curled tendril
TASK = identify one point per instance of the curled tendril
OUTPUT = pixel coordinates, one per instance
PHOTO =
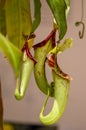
(81, 33)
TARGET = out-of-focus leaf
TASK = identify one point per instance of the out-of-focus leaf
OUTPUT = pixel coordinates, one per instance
(18, 20)
(2, 18)
(68, 6)
(37, 15)
(58, 8)
(13, 54)
(67, 2)
(2, 22)
(2, 3)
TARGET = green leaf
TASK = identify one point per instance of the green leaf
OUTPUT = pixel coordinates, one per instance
(18, 20)
(13, 54)
(58, 8)
(37, 15)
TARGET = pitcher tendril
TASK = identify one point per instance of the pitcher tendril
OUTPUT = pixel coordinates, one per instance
(81, 22)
